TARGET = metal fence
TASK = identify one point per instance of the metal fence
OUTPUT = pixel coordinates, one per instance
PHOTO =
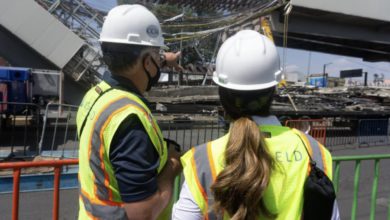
(364, 195)
(343, 132)
(191, 133)
(339, 133)
(26, 130)
(368, 188)
(59, 132)
(16, 169)
(56, 136)
(373, 132)
(315, 127)
(19, 129)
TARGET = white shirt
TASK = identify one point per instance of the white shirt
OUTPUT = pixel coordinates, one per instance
(186, 208)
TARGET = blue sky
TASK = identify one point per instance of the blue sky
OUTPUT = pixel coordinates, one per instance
(298, 60)
(103, 5)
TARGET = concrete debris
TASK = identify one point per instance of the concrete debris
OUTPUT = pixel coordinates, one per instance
(32, 170)
(354, 99)
(161, 107)
(315, 101)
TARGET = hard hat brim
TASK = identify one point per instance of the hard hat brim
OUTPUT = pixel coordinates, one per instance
(246, 87)
(143, 43)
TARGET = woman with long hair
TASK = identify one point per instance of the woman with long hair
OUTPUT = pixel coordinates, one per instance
(257, 170)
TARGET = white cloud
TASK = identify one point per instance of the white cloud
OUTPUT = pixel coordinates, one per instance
(295, 69)
(102, 5)
(292, 68)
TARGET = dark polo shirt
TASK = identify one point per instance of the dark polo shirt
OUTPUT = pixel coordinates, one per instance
(132, 154)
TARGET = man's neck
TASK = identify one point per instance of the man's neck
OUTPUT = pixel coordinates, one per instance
(127, 83)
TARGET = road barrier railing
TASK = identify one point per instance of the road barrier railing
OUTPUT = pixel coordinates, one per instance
(315, 127)
(356, 180)
(373, 132)
(338, 161)
(17, 166)
(59, 133)
(189, 133)
(57, 137)
(19, 129)
(343, 132)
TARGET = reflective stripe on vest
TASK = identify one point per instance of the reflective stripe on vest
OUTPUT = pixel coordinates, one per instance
(205, 174)
(103, 211)
(204, 167)
(97, 149)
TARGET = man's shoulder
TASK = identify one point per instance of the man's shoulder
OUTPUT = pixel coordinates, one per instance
(130, 123)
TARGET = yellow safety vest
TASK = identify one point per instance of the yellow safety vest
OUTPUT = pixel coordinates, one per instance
(101, 112)
(284, 194)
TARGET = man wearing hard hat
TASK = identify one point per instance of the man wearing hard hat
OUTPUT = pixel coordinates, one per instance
(126, 168)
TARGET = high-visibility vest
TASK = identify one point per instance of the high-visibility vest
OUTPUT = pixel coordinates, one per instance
(101, 112)
(284, 194)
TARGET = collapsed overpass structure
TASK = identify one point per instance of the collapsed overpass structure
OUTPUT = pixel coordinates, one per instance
(61, 47)
(32, 37)
(62, 34)
(355, 28)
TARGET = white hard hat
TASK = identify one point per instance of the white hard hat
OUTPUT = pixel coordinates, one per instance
(247, 61)
(132, 24)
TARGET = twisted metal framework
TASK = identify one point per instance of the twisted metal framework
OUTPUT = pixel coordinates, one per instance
(215, 5)
(86, 66)
(226, 18)
(191, 30)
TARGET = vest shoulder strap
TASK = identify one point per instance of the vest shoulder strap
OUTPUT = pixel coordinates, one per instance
(314, 151)
(100, 89)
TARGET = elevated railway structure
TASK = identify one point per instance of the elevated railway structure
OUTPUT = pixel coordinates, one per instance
(350, 27)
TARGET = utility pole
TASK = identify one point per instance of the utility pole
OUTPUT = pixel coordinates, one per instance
(365, 78)
(324, 72)
(309, 64)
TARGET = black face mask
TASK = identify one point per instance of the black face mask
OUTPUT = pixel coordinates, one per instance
(152, 80)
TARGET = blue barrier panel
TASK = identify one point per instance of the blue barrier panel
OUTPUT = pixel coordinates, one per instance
(39, 182)
(373, 132)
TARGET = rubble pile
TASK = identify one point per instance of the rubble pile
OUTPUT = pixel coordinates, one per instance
(294, 101)
(341, 99)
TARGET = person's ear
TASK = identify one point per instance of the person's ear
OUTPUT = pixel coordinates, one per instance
(146, 60)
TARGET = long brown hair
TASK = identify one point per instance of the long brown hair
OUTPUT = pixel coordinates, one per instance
(239, 187)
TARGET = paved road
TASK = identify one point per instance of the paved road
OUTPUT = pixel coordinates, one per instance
(38, 206)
